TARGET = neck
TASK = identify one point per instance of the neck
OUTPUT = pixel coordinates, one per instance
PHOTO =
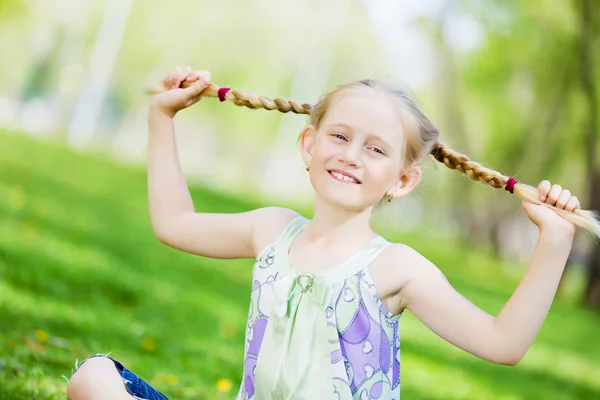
(333, 226)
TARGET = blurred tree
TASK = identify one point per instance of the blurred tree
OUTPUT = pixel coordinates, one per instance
(88, 107)
(533, 96)
(502, 105)
(588, 12)
(517, 108)
(449, 93)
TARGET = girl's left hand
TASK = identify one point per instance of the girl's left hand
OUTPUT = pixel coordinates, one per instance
(544, 217)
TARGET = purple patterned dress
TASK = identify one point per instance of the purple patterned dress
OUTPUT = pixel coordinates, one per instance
(319, 335)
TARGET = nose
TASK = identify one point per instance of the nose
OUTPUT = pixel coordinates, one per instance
(352, 155)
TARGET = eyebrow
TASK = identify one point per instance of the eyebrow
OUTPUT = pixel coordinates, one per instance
(344, 125)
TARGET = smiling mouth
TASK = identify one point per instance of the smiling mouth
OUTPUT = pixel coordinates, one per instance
(343, 178)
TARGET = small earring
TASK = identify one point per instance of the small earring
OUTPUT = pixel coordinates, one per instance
(390, 197)
(308, 167)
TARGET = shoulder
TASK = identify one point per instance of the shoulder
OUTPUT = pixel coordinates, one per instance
(402, 257)
(405, 255)
(398, 268)
(404, 264)
(270, 222)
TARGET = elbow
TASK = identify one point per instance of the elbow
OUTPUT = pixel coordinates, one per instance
(160, 234)
(163, 229)
(505, 354)
(509, 352)
(166, 227)
(509, 359)
(161, 239)
(509, 362)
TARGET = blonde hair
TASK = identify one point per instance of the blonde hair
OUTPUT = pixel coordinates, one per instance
(422, 140)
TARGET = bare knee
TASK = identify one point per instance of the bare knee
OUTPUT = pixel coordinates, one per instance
(94, 379)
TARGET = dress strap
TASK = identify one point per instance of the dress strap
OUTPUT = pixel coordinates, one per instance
(291, 230)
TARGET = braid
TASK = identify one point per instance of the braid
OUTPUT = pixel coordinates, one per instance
(455, 160)
(442, 153)
(253, 101)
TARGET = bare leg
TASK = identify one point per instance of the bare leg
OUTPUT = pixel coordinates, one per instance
(97, 379)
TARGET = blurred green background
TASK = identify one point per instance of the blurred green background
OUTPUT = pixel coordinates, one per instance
(513, 84)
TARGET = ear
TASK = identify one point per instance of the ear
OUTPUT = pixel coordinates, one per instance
(307, 139)
(407, 182)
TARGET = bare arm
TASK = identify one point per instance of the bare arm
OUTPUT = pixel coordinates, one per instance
(506, 338)
(168, 193)
(172, 212)
(522, 317)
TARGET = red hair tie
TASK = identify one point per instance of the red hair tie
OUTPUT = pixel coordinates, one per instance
(510, 184)
(222, 92)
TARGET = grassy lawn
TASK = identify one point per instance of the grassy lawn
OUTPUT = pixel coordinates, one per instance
(81, 273)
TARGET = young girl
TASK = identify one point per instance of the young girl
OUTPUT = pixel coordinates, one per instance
(327, 293)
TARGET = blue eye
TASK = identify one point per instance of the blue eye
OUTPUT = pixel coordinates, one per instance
(377, 150)
(339, 136)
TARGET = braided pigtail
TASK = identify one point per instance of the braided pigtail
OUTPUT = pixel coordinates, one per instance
(253, 101)
(428, 139)
(460, 162)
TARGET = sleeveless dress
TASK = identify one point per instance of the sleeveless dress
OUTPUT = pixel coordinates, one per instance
(322, 335)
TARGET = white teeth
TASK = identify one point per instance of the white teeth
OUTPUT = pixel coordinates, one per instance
(343, 177)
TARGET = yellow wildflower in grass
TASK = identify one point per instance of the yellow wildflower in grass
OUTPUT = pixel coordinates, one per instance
(228, 330)
(41, 335)
(224, 385)
(171, 379)
(149, 344)
(166, 378)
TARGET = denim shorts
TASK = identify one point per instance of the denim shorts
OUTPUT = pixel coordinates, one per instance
(134, 384)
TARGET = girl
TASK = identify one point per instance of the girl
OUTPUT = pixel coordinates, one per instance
(328, 293)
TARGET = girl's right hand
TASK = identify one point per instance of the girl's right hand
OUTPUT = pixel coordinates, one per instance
(173, 98)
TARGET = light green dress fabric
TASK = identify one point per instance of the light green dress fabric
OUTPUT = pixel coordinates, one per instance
(301, 354)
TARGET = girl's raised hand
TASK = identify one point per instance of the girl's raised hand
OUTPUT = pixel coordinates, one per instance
(173, 98)
(544, 217)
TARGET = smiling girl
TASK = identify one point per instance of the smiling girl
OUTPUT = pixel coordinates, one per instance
(328, 292)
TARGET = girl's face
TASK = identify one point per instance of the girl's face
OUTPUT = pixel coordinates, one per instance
(356, 155)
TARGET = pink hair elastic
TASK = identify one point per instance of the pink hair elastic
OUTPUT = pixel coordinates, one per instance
(510, 184)
(222, 92)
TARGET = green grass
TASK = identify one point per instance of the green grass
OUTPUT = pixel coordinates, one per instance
(81, 273)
